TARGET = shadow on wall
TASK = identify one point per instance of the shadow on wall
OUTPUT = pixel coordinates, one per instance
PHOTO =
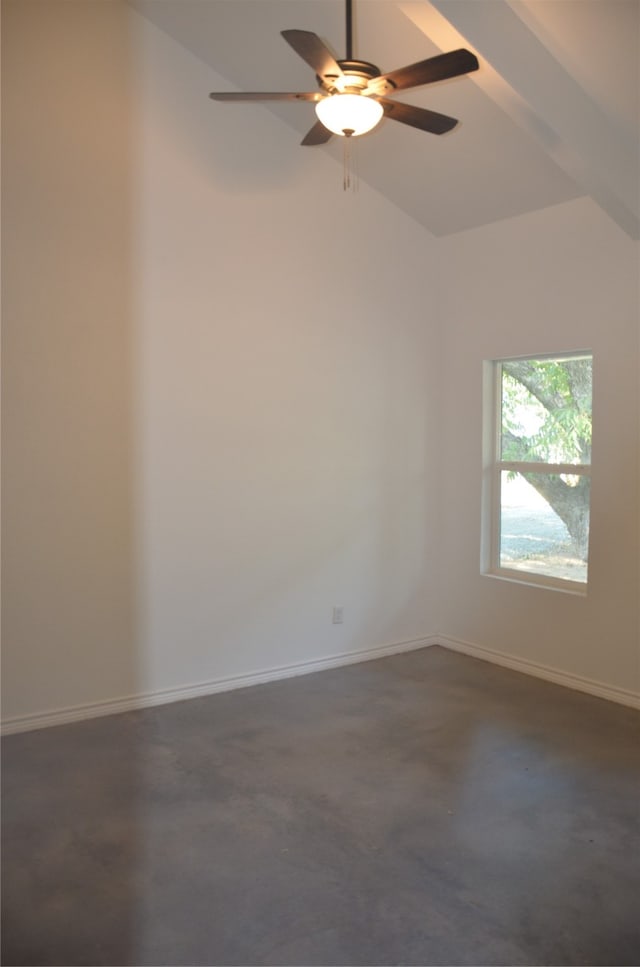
(68, 615)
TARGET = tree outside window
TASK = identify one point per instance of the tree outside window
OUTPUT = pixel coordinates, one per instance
(540, 469)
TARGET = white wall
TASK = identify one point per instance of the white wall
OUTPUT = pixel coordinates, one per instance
(560, 279)
(218, 400)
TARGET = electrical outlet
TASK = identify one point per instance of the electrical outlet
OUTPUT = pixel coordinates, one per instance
(338, 614)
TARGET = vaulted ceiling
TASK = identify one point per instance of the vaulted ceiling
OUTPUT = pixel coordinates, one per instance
(552, 113)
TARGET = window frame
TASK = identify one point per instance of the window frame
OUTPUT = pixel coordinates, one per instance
(494, 466)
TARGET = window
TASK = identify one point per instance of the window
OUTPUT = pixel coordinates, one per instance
(537, 470)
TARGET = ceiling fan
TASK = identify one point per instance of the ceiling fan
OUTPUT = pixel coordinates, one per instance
(353, 93)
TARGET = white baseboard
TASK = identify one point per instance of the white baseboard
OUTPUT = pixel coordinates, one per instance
(620, 695)
(76, 713)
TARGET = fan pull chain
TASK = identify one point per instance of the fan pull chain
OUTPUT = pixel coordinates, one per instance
(349, 167)
(346, 163)
(354, 167)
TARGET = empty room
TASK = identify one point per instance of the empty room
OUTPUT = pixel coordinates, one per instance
(320, 482)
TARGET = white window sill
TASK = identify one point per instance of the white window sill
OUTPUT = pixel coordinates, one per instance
(538, 581)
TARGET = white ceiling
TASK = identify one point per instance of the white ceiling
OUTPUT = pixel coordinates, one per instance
(552, 114)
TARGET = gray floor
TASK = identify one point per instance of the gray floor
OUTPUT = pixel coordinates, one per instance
(422, 809)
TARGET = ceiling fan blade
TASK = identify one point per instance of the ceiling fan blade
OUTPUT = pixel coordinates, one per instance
(312, 50)
(417, 117)
(438, 68)
(265, 96)
(318, 134)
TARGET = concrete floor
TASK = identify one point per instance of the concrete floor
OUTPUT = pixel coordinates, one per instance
(422, 809)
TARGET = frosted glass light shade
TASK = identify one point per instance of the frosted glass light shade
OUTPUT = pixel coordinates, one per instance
(353, 113)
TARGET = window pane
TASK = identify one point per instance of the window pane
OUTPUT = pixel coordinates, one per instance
(546, 410)
(545, 524)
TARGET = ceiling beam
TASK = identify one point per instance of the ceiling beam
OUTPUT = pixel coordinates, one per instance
(538, 93)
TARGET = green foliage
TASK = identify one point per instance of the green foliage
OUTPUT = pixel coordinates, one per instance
(546, 410)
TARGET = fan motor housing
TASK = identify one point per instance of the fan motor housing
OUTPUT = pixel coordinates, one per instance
(362, 67)
(356, 76)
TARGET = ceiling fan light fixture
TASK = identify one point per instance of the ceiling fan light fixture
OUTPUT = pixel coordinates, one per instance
(349, 114)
